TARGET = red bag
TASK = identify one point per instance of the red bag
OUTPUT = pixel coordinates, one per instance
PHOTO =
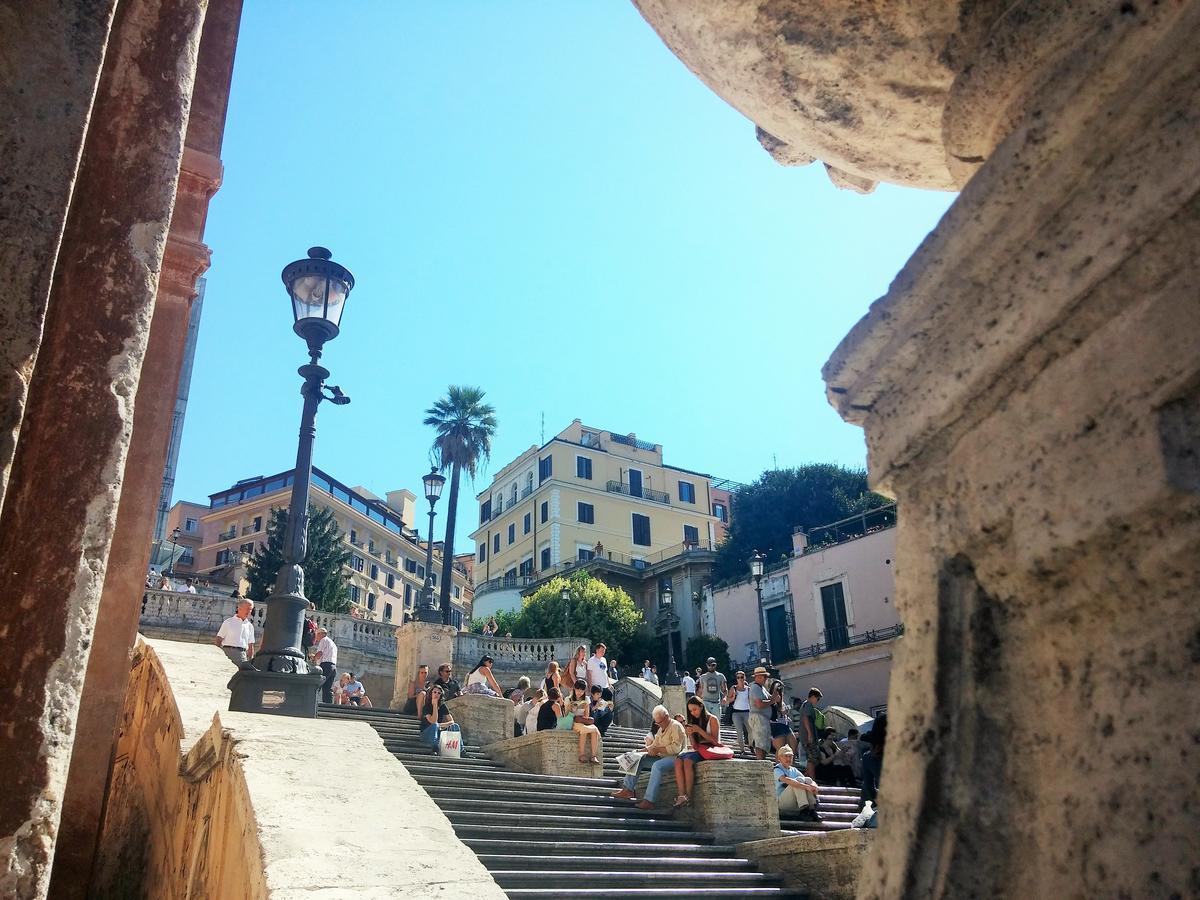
(715, 752)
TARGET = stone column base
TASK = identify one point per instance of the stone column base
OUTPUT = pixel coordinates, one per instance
(822, 865)
(276, 693)
(735, 800)
(484, 720)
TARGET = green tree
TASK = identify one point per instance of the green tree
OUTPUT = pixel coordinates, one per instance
(701, 647)
(766, 512)
(324, 578)
(464, 426)
(595, 611)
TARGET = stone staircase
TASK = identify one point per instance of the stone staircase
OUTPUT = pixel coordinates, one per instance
(556, 836)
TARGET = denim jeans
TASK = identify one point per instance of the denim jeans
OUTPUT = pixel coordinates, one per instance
(431, 733)
(741, 725)
(658, 769)
(603, 720)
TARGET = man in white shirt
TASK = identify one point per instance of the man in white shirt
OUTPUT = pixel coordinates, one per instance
(597, 672)
(689, 685)
(327, 658)
(355, 692)
(236, 636)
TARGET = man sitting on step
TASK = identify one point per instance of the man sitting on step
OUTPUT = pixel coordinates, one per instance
(602, 710)
(660, 757)
(794, 790)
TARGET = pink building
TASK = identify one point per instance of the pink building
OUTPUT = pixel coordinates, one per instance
(829, 613)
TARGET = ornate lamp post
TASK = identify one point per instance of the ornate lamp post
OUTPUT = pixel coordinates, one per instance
(426, 612)
(566, 598)
(668, 598)
(174, 542)
(318, 289)
(756, 570)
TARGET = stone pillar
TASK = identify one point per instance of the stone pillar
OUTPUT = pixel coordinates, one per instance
(553, 752)
(484, 720)
(60, 507)
(674, 699)
(824, 866)
(52, 52)
(1030, 391)
(184, 261)
(421, 643)
(735, 800)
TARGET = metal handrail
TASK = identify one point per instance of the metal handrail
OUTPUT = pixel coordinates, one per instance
(622, 487)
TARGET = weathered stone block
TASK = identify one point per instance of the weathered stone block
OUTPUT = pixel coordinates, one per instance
(825, 866)
(735, 800)
(484, 720)
(544, 753)
(420, 643)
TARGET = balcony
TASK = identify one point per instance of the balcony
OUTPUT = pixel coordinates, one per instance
(228, 535)
(525, 493)
(839, 638)
(645, 493)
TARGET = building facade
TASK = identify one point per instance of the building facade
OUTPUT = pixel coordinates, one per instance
(829, 612)
(386, 572)
(604, 501)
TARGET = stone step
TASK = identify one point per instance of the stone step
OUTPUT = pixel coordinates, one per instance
(581, 819)
(626, 863)
(507, 776)
(568, 879)
(658, 893)
(586, 833)
(437, 785)
(592, 806)
(653, 849)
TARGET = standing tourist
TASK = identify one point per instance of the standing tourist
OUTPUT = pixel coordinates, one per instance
(761, 702)
(577, 668)
(739, 699)
(646, 670)
(794, 791)
(489, 627)
(598, 672)
(689, 685)
(326, 657)
(662, 749)
(553, 677)
(236, 636)
(812, 721)
(712, 687)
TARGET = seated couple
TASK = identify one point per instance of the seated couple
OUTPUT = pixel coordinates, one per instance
(701, 731)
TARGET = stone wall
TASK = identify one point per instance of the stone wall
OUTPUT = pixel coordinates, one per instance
(483, 720)
(208, 803)
(823, 866)
(553, 752)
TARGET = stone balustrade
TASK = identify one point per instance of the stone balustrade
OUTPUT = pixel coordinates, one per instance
(526, 656)
(825, 866)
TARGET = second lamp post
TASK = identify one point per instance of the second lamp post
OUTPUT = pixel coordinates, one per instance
(756, 570)
(425, 609)
(668, 598)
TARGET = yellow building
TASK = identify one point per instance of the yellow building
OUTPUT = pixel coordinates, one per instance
(387, 565)
(587, 494)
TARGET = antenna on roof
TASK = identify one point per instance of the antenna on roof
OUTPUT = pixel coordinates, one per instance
(543, 440)
(775, 460)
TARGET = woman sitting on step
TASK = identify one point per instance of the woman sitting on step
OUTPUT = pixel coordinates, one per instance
(437, 718)
(579, 704)
(703, 729)
(482, 681)
(549, 711)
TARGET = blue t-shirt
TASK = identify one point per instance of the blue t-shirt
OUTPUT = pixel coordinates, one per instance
(790, 772)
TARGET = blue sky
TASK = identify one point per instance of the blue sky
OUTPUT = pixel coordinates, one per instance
(537, 198)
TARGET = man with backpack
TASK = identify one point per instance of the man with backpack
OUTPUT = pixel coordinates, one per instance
(812, 725)
(308, 633)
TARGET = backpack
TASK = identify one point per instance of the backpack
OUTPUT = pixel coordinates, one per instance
(308, 636)
(818, 720)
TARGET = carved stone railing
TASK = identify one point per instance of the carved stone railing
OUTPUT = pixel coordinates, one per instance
(517, 654)
(196, 613)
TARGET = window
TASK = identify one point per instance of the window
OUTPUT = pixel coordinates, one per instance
(387, 612)
(545, 468)
(496, 543)
(512, 531)
(691, 534)
(584, 554)
(833, 606)
(513, 494)
(720, 512)
(371, 545)
(483, 552)
(457, 592)
(456, 618)
(223, 557)
(408, 595)
(527, 566)
(353, 536)
(587, 513)
(391, 581)
(354, 593)
(528, 483)
(420, 571)
(545, 558)
(485, 510)
(374, 571)
(370, 601)
(510, 577)
(687, 492)
(410, 565)
(187, 559)
(257, 523)
(358, 563)
(583, 467)
(545, 511)
(528, 523)
(190, 525)
(641, 530)
(247, 548)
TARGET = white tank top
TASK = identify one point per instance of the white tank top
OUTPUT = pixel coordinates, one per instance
(477, 677)
(741, 699)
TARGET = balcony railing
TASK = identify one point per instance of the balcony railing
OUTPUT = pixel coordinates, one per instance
(850, 528)
(839, 638)
(228, 535)
(621, 487)
(631, 442)
(525, 493)
(250, 529)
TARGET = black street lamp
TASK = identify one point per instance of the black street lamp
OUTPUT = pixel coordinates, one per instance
(318, 289)
(566, 598)
(756, 570)
(668, 598)
(174, 543)
(426, 612)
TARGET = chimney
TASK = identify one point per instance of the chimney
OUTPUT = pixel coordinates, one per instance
(799, 541)
(403, 504)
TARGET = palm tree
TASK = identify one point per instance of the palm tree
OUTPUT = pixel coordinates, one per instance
(464, 425)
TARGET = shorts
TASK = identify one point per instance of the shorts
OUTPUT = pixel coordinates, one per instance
(356, 700)
(691, 755)
(780, 729)
(760, 733)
